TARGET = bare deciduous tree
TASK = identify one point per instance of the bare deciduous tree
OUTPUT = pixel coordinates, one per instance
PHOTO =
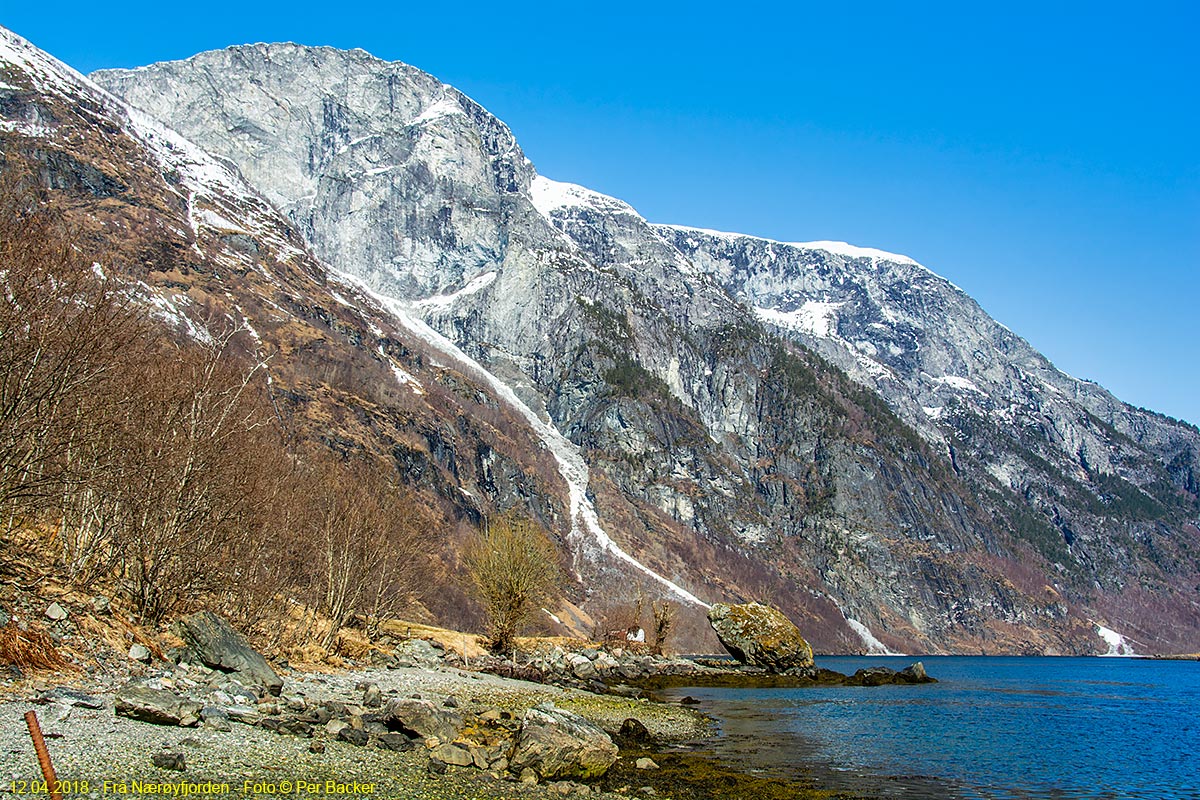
(368, 534)
(513, 566)
(185, 481)
(664, 622)
(64, 335)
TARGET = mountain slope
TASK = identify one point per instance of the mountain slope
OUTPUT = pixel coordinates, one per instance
(732, 462)
(191, 241)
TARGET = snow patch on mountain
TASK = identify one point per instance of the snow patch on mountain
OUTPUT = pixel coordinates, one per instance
(476, 284)
(958, 382)
(873, 645)
(440, 109)
(549, 196)
(835, 248)
(1118, 645)
(815, 317)
(49, 75)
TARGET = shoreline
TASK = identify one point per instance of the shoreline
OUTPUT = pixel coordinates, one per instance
(98, 753)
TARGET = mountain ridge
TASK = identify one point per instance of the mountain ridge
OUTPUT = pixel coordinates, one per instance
(726, 454)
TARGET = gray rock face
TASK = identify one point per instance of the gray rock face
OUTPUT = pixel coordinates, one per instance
(157, 706)
(218, 646)
(559, 745)
(760, 637)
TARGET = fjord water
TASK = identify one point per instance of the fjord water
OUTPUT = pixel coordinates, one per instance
(995, 728)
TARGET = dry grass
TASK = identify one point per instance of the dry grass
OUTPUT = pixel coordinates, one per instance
(465, 644)
(31, 649)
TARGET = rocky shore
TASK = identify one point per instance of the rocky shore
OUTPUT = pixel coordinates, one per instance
(419, 721)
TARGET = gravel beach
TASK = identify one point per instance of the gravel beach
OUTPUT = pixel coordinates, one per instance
(98, 753)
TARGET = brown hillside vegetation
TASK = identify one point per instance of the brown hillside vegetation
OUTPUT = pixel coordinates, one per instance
(159, 465)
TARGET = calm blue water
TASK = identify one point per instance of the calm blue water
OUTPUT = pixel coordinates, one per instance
(997, 728)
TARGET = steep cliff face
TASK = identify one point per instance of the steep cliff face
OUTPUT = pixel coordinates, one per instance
(1114, 485)
(703, 453)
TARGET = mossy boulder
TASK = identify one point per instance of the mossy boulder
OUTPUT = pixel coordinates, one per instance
(760, 636)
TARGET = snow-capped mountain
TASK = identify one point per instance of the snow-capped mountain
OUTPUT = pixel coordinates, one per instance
(710, 415)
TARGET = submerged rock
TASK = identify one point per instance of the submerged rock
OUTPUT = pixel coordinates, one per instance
(760, 636)
(883, 676)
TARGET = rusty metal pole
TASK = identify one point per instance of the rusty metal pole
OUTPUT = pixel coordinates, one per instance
(43, 755)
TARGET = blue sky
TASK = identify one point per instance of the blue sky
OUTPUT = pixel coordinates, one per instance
(1043, 156)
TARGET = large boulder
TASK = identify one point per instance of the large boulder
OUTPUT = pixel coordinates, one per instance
(215, 643)
(760, 636)
(559, 745)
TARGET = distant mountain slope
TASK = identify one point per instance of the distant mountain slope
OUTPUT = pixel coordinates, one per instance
(728, 460)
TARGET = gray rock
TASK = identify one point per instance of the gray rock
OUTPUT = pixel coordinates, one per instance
(452, 754)
(354, 736)
(71, 697)
(559, 745)
(645, 763)
(167, 759)
(157, 706)
(139, 652)
(245, 714)
(56, 612)
(760, 636)
(418, 653)
(422, 718)
(915, 673)
(215, 718)
(397, 742)
(217, 645)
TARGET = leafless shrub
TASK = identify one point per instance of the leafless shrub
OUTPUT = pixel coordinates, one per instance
(514, 568)
(64, 335)
(664, 623)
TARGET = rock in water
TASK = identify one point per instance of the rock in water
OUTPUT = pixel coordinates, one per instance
(218, 646)
(559, 745)
(760, 636)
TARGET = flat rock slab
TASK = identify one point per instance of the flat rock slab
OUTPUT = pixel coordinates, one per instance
(157, 706)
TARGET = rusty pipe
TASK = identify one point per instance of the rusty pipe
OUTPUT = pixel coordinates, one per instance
(43, 755)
